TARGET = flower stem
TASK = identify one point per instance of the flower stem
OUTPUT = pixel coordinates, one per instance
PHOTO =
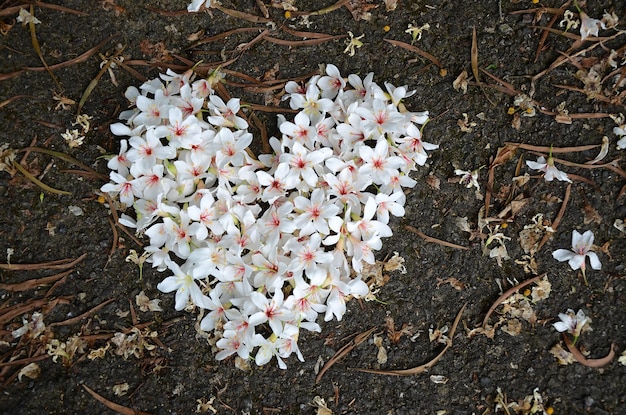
(577, 6)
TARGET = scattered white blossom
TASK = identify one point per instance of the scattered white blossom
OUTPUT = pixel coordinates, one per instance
(547, 166)
(589, 26)
(468, 178)
(573, 324)
(582, 246)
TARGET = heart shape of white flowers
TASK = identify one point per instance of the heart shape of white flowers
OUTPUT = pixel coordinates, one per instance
(265, 244)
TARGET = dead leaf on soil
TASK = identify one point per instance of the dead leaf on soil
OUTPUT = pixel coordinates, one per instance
(562, 356)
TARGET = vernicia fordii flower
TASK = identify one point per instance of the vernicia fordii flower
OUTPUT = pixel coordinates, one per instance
(266, 244)
(582, 246)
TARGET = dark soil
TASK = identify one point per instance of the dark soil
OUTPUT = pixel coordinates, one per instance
(181, 370)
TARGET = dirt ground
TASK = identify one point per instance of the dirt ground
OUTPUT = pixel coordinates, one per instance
(172, 370)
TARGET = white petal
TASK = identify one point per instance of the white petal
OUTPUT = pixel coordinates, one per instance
(168, 285)
(587, 239)
(562, 255)
(560, 326)
(576, 261)
(595, 261)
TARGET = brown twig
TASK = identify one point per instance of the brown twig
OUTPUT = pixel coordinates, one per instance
(433, 240)
(588, 362)
(325, 10)
(506, 295)
(57, 264)
(416, 50)
(82, 316)
(422, 368)
(474, 56)
(557, 220)
(555, 150)
(35, 282)
(306, 42)
(544, 35)
(343, 351)
(112, 405)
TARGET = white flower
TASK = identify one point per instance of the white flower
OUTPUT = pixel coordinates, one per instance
(581, 248)
(572, 323)
(377, 163)
(183, 283)
(468, 178)
(589, 26)
(551, 172)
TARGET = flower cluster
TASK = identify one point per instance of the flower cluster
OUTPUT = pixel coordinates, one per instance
(264, 245)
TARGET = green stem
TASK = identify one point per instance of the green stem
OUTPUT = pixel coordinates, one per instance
(577, 6)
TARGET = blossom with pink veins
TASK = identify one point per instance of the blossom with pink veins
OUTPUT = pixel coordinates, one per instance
(125, 189)
(394, 94)
(381, 118)
(205, 214)
(184, 284)
(181, 131)
(225, 114)
(231, 147)
(362, 91)
(120, 163)
(314, 212)
(216, 314)
(153, 182)
(353, 131)
(331, 83)
(377, 163)
(267, 350)
(549, 169)
(276, 222)
(153, 110)
(188, 102)
(269, 270)
(300, 130)
(308, 256)
(278, 184)
(346, 187)
(231, 343)
(181, 232)
(304, 162)
(287, 342)
(312, 103)
(339, 290)
(270, 311)
(412, 144)
(148, 151)
(398, 181)
(393, 203)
